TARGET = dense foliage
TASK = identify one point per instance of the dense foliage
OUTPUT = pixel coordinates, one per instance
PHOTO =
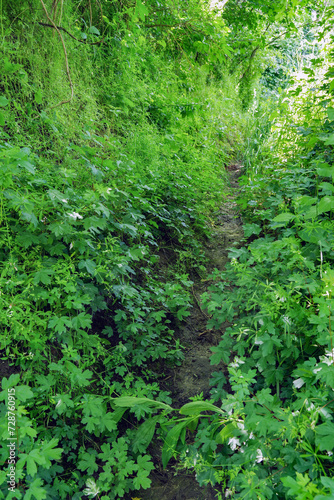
(117, 119)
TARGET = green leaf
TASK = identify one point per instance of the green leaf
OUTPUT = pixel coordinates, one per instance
(330, 140)
(226, 433)
(94, 30)
(43, 276)
(326, 204)
(88, 461)
(284, 217)
(330, 113)
(35, 491)
(89, 265)
(38, 96)
(12, 381)
(144, 434)
(28, 166)
(325, 170)
(3, 101)
(171, 441)
(324, 437)
(328, 482)
(31, 466)
(23, 392)
(131, 401)
(49, 452)
(196, 407)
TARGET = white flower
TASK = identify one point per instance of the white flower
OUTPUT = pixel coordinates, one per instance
(298, 383)
(233, 443)
(259, 456)
(311, 407)
(237, 362)
(328, 359)
(64, 201)
(325, 413)
(75, 215)
(316, 370)
(109, 190)
(329, 453)
(295, 413)
(286, 320)
(228, 493)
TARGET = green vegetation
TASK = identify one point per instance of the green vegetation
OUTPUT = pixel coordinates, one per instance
(117, 120)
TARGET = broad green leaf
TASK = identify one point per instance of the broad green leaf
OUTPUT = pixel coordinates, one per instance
(325, 170)
(23, 392)
(12, 381)
(89, 265)
(326, 204)
(328, 483)
(131, 401)
(226, 433)
(93, 30)
(31, 466)
(324, 436)
(171, 441)
(3, 101)
(196, 407)
(284, 217)
(330, 140)
(145, 433)
(35, 491)
(330, 113)
(327, 186)
(38, 96)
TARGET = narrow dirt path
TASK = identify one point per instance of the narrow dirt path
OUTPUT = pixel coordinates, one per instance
(193, 376)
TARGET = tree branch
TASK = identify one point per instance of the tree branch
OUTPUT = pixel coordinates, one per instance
(60, 28)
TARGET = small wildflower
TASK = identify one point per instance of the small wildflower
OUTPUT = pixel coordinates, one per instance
(298, 383)
(286, 320)
(75, 215)
(64, 201)
(233, 443)
(259, 456)
(237, 362)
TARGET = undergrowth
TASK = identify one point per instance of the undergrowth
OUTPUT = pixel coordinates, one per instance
(91, 192)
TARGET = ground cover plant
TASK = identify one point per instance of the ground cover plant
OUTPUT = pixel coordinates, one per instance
(111, 152)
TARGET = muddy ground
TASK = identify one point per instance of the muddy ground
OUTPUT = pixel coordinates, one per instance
(192, 377)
